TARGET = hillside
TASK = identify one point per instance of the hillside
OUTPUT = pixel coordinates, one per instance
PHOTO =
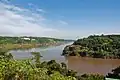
(104, 46)
(25, 39)
(28, 42)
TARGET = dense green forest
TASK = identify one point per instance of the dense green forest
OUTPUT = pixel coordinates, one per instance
(103, 46)
(34, 69)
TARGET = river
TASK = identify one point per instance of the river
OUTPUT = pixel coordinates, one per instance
(81, 65)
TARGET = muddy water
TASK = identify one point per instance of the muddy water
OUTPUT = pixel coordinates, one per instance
(90, 65)
(81, 65)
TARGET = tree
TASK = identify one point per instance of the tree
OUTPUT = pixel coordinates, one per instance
(36, 57)
(64, 66)
(103, 46)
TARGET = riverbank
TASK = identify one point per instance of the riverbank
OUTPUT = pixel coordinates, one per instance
(49, 68)
(28, 46)
(75, 50)
(104, 46)
(82, 65)
(25, 42)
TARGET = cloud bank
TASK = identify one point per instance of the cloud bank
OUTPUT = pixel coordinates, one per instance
(16, 21)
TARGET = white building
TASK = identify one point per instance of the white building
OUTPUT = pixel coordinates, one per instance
(26, 38)
(33, 39)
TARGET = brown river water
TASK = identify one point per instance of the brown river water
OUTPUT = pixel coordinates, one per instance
(81, 65)
(90, 65)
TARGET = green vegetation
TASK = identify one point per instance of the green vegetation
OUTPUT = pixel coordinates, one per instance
(104, 46)
(34, 69)
(28, 42)
(31, 69)
(25, 39)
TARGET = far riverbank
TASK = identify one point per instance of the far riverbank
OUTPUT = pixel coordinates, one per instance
(29, 45)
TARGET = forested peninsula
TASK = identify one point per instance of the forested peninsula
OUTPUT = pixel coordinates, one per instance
(95, 46)
(26, 42)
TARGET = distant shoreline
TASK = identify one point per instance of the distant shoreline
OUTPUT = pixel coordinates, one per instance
(10, 43)
(28, 46)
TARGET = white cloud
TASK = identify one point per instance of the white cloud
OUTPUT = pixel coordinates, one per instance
(30, 4)
(11, 7)
(35, 7)
(16, 21)
(63, 22)
(40, 10)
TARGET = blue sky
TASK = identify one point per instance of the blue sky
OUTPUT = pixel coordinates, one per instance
(69, 19)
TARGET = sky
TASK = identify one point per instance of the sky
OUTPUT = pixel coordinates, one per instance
(68, 19)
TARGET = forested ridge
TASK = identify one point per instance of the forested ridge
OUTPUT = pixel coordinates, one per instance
(26, 39)
(25, 42)
(103, 46)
